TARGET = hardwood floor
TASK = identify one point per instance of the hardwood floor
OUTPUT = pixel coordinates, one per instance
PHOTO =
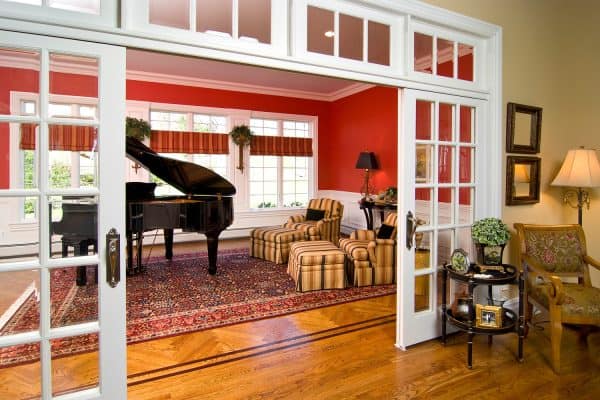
(341, 352)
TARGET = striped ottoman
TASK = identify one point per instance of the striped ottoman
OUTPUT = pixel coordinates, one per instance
(272, 243)
(316, 265)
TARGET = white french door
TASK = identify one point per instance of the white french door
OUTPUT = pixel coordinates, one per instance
(61, 331)
(444, 171)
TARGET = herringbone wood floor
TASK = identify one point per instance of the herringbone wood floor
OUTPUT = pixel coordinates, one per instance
(340, 352)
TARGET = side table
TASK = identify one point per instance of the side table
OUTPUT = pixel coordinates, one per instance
(510, 321)
(369, 206)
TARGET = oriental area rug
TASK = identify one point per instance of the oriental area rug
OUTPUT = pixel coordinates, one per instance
(175, 297)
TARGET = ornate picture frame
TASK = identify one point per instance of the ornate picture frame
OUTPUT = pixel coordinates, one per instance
(522, 180)
(488, 316)
(523, 128)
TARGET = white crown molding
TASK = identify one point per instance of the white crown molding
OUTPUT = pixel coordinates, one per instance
(247, 88)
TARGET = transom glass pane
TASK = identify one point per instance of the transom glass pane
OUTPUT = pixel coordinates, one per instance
(214, 16)
(465, 62)
(320, 30)
(445, 58)
(172, 13)
(423, 53)
(351, 37)
(379, 43)
(255, 20)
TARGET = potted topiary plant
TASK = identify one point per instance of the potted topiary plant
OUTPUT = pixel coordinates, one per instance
(490, 236)
(137, 128)
(242, 136)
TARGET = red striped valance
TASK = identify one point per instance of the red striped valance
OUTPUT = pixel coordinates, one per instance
(189, 142)
(281, 146)
(62, 137)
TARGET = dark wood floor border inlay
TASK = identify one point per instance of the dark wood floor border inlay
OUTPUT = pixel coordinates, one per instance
(287, 343)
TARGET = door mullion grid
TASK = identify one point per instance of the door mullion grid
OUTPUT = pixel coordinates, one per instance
(45, 245)
(435, 197)
(456, 172)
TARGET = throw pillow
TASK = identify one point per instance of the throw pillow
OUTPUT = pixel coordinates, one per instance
(313, 214)
(385, 231)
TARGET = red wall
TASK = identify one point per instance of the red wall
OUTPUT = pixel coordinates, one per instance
(366, 121)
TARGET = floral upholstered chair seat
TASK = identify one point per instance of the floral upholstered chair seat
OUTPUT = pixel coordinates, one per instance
(551, 258)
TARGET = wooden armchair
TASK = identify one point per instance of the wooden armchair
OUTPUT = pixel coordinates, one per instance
(325, 228)
(551, 255)
(371, 260)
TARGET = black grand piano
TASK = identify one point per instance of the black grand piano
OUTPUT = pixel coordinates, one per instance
(206, 207)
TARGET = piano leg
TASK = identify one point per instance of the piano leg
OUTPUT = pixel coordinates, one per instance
(140, 240)
(212, 243)
(168, 235)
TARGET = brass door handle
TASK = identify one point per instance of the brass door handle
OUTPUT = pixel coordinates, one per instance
(113, 259)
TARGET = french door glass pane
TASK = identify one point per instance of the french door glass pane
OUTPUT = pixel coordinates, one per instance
(255, 20)
(214, 16)
(22, 367)
(465, 165)
(466, 198)
(351, 37)
(22, 244)
(445, 58)
(424, 120)
(24, 77)
(445, 206)
(172, 13)
(379, 43)
(446, 122)
(467, 116)
(423, 53)
(465, 62)
(19, 304)
(423, 204)
(73, 225)
(67, 372)
(422, 292)
(320, 30)
(445, 171)
(445, 246)
(73, 303)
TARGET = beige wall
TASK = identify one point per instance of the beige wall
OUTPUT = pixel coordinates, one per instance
(550, 60)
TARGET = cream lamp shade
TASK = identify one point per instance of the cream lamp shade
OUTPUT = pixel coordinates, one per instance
(580, 169)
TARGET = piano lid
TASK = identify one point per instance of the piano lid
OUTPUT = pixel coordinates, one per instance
(189, 178)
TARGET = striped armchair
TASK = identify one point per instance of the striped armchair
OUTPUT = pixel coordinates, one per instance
(327, 228)
(371, 261)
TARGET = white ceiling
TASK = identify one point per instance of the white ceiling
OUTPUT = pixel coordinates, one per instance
(209, 70)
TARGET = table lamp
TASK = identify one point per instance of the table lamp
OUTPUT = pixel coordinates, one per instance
(367, 161)
(580, 169)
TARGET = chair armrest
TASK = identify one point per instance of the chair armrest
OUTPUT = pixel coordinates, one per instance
(591, 262)
(534, 270)
(385, 242)
(363, 234)
(296, 218)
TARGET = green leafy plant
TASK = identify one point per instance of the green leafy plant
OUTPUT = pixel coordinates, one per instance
(241, 135)
(490, 232)
(267, 204)
(137, 128)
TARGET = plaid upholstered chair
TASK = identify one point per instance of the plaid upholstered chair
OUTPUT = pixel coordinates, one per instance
(551, 255)
(372, 259)
(321, 222)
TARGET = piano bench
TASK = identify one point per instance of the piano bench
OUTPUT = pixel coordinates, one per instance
(272, 243)
(81, 245)
(317, 265)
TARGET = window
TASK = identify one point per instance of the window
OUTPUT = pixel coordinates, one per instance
(68, 169)
(280, 181)
(190, 122)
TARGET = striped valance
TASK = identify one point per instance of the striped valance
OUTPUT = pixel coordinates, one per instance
(189, 142)
(281, 146)
(61, 137)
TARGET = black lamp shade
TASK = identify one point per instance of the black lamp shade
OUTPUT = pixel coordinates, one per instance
(367, 160)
